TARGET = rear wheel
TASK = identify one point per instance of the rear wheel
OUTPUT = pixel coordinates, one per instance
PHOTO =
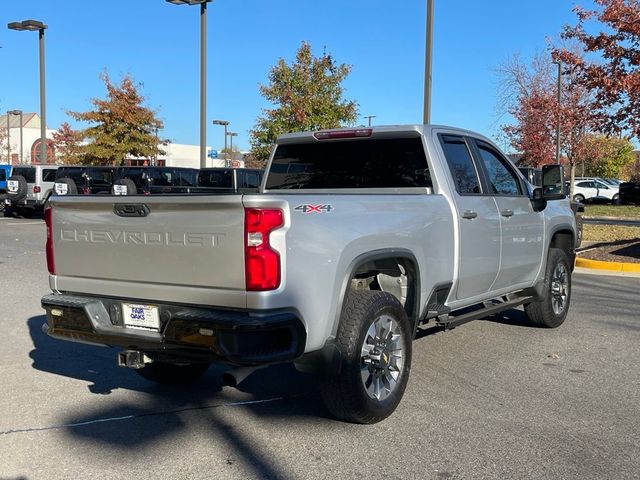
(65, 186)
(374, 338)
(616, 199)
(551, 308)
(124, 186)
(173, 374)
(578, 198)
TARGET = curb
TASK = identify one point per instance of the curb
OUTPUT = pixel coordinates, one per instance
(610, 266)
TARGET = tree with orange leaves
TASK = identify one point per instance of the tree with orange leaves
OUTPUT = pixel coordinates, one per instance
(121, 126)
(612, 72)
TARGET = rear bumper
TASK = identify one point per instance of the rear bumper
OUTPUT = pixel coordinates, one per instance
(236, 337)
(24, 203)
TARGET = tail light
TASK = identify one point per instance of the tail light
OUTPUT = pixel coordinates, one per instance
(36, 189)
(85, 191)
(51, 264)
(262, 263)
(337, 134)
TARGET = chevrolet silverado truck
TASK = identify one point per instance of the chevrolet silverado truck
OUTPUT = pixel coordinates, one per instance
(356, 239)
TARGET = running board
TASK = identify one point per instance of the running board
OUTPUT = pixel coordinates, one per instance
(452, 321)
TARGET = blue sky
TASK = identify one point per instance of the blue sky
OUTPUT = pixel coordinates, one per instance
(158, 44)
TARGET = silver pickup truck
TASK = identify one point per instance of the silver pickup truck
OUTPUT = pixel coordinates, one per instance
(357, 238)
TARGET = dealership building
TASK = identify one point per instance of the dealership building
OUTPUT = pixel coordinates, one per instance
(23, 132)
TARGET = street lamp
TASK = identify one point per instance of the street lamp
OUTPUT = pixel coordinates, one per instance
(231, 135)
(18, 113)
(427, 64)
(225, 124)
(559, 63)
(32, 26)
(8, 140)
(203, 73)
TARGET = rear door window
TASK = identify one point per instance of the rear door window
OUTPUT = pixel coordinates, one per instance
(49, 174)
(3, 175)
(251, 180)
(461, 164)
(100, 177)
(370, 163)
(188, 178)
(215, 179)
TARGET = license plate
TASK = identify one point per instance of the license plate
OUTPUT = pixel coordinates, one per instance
(144, 317)
(120, 189)
(12, 185)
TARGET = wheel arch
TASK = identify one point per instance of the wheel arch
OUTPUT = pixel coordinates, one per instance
(381, 261)
(564, 239)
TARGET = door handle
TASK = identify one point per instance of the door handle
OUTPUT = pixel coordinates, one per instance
(469, 214)
(507, 213)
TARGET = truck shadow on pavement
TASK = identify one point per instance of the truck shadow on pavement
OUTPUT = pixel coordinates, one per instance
(131, 420)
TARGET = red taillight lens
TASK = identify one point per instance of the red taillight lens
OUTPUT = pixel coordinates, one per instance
(262, 263)
(85, 191)
(51, 264)
(36, 189)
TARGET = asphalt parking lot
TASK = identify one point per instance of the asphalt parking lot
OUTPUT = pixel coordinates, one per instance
(492, 399)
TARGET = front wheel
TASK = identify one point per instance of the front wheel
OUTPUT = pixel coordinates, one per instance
(374, 338)
(616, 199)
(550, 309)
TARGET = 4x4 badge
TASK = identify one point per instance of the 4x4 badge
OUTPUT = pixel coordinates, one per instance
(308, 208)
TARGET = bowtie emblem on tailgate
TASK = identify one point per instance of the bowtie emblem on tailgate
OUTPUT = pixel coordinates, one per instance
(131, 210)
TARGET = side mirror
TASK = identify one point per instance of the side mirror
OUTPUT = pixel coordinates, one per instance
(552, 182)
(538, 202)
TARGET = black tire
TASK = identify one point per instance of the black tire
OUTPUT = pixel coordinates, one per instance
(72, 188)
(131, 187)
(616, 199)
(545, 311)
(345, 395)
(21, 193)
(578, 198)
(172, 374)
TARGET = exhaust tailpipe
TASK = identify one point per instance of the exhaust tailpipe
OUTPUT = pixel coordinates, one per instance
(235, 376)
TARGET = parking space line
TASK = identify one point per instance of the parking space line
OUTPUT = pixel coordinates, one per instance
(26, 223)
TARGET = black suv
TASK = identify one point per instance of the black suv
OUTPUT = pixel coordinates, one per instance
(73, 180)
(153, 180)
(630, 193)
(229, 180)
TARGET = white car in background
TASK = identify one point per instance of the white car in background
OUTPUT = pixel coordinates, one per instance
(590, 189)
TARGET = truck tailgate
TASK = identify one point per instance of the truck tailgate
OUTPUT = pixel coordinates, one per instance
(184, 249)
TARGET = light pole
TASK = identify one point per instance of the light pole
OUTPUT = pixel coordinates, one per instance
(225, 124)
(559, 63)
(8, 139)
(32, 26)
(231, 135)
(427, 64)
(369, 117)
(203, 73)
(19, 113)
